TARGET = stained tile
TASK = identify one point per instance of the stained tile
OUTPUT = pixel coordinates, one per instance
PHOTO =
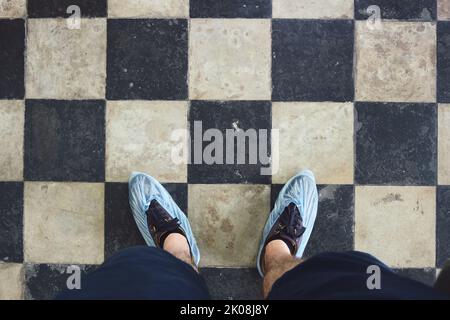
(58, 8)
(248, 120)
(443, 9)
(12, 47)
(396, 62)
(426, 276)
(443, 61)
(233, 283)
(13, 8)
(229, 59)
(396, 143)
(147, 59)
(64, 222)
(62, 63)
(148, 8)
(11, 281)
(444, 144)
(64, 140)
(442, 226)
(140, 136)
(45, 281)
(11, 221)
(412, 10)
(11, 144)
(327, 128)
(334, 227)
(230, 8)
(397, 224)
(227, 220)
(120, 228)
(312, 60)
(313, 9)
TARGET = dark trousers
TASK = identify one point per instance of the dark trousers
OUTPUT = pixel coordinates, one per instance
(151, 273)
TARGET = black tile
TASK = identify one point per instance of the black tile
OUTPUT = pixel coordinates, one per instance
(230, 8)
(426, 276)
(12, 47)
(443, 61)
(442, 225)
(147, 59)
(233, 284)
(11, 221)
(312, 60)
(224, 116)
(58, 8)
(120, 228)
(396, 143)
(45, 281)
(417, 10)
(65, 140)
(334, 226)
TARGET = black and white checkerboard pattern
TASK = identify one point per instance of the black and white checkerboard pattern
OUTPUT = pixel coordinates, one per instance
(365, 106)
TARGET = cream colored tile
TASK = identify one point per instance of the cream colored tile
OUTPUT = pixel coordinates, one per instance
(229, 59)
(227, 221)
(13, 8)
(138, 138)
(397, 62)
(317, 136)
(11, 281)
(444, 144)
(64, 63)
(64, 222)
(11, 142)
(313, 9)
(397, 224)
(443, 9)
(148, 8)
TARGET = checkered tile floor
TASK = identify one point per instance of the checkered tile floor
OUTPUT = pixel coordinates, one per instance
(365, 106)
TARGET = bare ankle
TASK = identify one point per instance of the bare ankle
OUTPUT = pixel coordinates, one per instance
(177, 245)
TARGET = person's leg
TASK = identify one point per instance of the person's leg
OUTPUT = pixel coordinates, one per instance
(288, 229)
(177, 245)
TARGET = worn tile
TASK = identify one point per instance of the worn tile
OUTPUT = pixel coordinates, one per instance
(13, 8)
(249, 118)
(120, 228)
(444, 144)
(443, 61)
(312, 60)
(443, 9)
(397, 224)
(64, 222)
(442, 225)
(326, 126)
(62, 63)
(396, 62)
(227, 221)
(396, 143)
(147, 59)
(229, 59)
(45, 281)
(148, 8)
(11, 146)
(411, 10)
(59, 8)
(11, 281)
(140, 137)
(64, 140)
(11, 221)
(233, 283)
(313, 9)
(426, 275)
(230, 8)
(12, 48)
(334, 227)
